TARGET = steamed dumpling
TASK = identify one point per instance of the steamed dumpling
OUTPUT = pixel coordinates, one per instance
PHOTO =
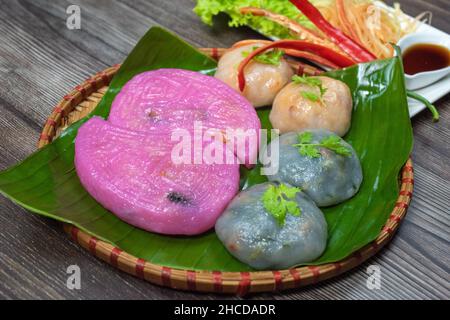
(254, 236)
(263, 81)
(292, 111)
(328, 179)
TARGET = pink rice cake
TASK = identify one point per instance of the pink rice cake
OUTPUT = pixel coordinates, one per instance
(176, 98)
(132, 174)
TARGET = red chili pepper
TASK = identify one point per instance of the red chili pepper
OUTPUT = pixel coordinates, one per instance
(324, 52)
(353, 49)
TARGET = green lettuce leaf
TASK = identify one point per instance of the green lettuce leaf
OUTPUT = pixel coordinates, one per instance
(207, 9)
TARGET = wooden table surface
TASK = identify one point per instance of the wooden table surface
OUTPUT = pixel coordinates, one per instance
(41, 60)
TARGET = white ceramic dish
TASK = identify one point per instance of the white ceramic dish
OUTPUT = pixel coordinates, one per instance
(436, 90)
(424, 79)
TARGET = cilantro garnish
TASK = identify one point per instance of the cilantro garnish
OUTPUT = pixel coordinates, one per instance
(309, 149)
(271, 57)
(310, 96)
(279, 201)
(312, 82)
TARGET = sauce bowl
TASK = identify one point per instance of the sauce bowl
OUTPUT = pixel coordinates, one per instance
(423, 79)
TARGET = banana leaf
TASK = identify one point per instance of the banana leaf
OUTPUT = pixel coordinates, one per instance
(46, 182)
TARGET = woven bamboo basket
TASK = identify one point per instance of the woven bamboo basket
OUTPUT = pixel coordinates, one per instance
(84, 98)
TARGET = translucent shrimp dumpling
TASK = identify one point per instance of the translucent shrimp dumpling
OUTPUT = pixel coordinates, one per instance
(265, 75)
(313, 103)
(273, 226)
(319, 162)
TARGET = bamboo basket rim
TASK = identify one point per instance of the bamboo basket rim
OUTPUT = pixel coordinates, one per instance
(240, 283)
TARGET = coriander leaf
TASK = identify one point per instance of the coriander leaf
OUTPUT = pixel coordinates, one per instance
(309, 149)
(279, 201)
(305, 146)
(271, 57)
(290, 192)
(305, 137)
(293, 208)
(310, 96)
(246, 53)
(334, 143)
(310, 81)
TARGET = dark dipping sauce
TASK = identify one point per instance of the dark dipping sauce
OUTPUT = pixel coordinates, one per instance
(425, 57)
